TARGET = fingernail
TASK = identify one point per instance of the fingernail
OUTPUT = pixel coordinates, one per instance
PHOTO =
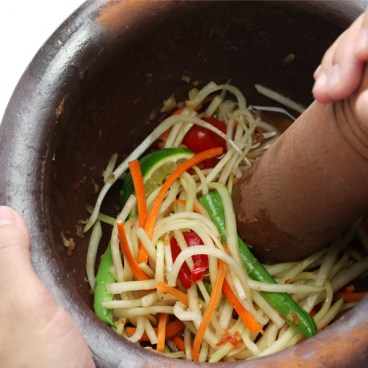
(6, 216)
(361, 45)
(334, 77)
(320, 82)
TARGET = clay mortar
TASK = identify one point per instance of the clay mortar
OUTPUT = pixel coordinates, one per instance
(96, 87)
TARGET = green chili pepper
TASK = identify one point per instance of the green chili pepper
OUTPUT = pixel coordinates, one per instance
(101, 295)
(291, 311)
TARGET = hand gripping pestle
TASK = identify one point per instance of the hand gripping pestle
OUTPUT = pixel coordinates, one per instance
(309, 186)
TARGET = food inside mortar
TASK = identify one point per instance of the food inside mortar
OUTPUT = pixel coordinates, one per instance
(175, 277)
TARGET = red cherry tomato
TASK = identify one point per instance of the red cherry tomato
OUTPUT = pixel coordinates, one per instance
(200, 260)
(199, 139)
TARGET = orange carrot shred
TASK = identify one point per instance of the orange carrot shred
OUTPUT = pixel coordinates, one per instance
(204, 155)
(351, 297)
(210, 310)
(166, 289)
(179, 342)
(178, 111)
(161, 336)
(209, 98)
(142, 254)
(172, 329)
(137, 272)
(135, 170)
(243, 314)
(137, 178)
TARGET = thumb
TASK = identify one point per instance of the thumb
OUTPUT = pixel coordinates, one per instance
(48, 336)
(14, 244)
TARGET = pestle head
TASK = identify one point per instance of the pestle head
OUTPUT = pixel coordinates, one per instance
(308, 187)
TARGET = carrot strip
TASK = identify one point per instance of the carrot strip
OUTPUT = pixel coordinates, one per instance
(209, 98)
(166, 289)
(161, 336)
(135, 170)
(137, 272)
(172, 329)
(210, 310)
(244, 315)
(351, 297)
(204, 155)
(178, 111)
(179, 342)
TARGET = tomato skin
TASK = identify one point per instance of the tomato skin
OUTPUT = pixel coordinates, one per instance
(200, 260)
(199, 139)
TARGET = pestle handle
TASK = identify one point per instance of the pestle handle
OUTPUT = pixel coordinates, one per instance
(309, 186)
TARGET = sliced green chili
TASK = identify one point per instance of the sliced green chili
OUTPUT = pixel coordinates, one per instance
(101, 295)
(291, 311)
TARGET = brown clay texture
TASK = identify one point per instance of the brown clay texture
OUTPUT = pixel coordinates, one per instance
(96, 87)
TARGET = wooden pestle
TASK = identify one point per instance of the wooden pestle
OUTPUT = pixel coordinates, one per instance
(309, 186)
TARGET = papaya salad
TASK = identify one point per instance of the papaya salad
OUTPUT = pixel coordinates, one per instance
(175, 277)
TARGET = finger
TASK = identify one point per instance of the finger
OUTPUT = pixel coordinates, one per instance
(361, 45)
(341, 69)
(328, 57)
(346, 71)
(9, 216)
(48, 336)
(320, 86)
(14, 251)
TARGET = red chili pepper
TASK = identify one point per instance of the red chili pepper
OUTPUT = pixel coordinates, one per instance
(199, 139)
(200, 260)
(184, 273)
